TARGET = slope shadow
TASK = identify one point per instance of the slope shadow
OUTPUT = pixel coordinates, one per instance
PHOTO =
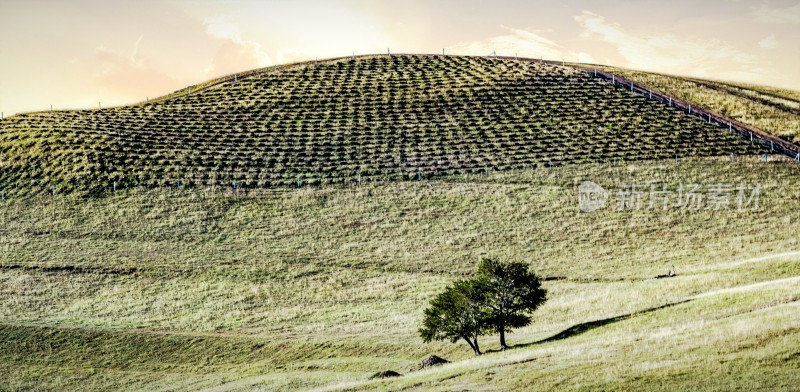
(578, 329)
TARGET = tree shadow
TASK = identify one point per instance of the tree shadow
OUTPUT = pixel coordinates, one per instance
(578, 329)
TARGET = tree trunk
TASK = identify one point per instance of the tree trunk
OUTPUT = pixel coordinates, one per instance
(503, 338)
(473, 346)
(476, 348)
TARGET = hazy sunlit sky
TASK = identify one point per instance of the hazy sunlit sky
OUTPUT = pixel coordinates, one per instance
(72, 54)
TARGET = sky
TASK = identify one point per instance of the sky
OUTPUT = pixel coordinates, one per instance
(85, 53)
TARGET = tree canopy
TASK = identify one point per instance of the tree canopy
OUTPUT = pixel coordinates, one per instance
(498, 299)
(509, 292)
(455, 314)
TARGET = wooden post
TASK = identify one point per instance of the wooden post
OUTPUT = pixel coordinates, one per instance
(419, 174)
(631, 86)
(677, 161)
(487, 170)
(670, 101)
(733, 158)
(115, 187)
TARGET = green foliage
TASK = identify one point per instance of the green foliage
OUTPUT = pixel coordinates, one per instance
(456, 313)
(509, 292)
(498, 299)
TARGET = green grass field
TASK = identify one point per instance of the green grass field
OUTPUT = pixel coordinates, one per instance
(364, 187)
(322, 287)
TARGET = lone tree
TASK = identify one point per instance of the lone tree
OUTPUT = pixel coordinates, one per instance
(456, 314)
(508, 291)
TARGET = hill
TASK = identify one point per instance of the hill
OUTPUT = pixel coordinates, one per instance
(207, 287)
(352, 120)
(772, 110)
(322, 288)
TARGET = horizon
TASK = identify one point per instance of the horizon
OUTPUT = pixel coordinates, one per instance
(91, 53)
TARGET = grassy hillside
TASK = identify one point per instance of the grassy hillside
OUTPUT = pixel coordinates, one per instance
(266, 286)
(300, 289)
(351, 120)
(770, 109)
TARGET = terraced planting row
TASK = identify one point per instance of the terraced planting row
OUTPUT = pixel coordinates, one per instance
(398, 117)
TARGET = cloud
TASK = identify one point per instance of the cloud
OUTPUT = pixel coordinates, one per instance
(129, 75)
(670, 53)
(519, 42)
(769, 43)
(236, 53)
(778, 16)
(286, 55)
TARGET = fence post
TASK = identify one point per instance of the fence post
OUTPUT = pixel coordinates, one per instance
(730, 128)
(733, 158)
(631, 86)
(751, 137)
(670, 101)
(299, 182)
(487, 170)
(419, 174)
(676, 159)
(690, 108)
(115, 187)
(4, 194)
